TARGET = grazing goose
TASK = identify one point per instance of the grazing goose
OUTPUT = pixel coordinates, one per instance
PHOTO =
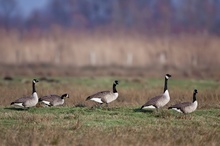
(53, 100)
(161, 100)
(27, 101)
(105, 96)
(186, 107)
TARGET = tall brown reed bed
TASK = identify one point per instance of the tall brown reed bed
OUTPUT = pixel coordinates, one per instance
(104, 48)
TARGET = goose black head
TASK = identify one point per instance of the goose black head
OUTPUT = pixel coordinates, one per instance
(35, 81)
(66, 95)
(116, 82)
(168, 76)
(195, 91)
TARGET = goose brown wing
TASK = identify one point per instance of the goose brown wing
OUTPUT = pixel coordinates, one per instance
(22, 99)
(49, 98)
(98, 95)
(180, 105)
(153, 100)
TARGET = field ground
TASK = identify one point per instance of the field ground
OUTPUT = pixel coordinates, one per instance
(76, 123)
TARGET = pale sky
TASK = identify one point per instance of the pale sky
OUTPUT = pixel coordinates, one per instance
(26, 6)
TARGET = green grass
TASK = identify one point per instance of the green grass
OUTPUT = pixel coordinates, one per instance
(111, 117)
(137, 124)
(122, 124)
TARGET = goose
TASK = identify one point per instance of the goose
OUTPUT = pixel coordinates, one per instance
(161, 100)
(27, 101)
(105, 96)
(186, 107)
(53, 100)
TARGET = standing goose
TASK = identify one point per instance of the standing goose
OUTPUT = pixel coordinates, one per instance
(161, 100)
(27, 101)
(105, 96)
(186, 107)
(53, 100)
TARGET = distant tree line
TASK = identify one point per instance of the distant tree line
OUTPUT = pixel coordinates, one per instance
(169, 16)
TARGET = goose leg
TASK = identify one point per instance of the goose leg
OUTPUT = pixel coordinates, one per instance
(107, 107)
(100, 105)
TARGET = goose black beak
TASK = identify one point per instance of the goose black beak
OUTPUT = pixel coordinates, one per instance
(195, 91)
(35, 80)
(116, 82)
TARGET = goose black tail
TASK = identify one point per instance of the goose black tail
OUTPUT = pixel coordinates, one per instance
(141, 107)
(88, 98)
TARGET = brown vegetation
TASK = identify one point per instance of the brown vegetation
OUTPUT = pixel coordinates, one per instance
(134, 91)
(120, 125)
(187, 54)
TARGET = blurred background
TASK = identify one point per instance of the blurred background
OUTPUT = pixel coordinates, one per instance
(110, 37)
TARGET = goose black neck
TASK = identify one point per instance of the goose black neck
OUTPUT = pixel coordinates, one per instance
(114, 88)
(33, 87)
(194, 97)
(165, 84)
(62, 96)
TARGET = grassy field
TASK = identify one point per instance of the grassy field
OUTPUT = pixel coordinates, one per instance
(122, 124)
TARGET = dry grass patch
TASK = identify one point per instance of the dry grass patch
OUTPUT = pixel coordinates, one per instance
(122, 124)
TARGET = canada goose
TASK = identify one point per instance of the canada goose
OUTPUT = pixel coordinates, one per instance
(53, 100)
(105, 96)
(27, 101)
(161, 100)
(186, 107)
